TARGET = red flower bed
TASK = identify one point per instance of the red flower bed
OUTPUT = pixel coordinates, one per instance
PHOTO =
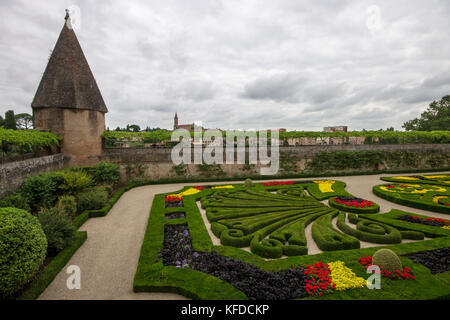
(320, 279)
(173, 199)
(431, 219)
(354, 202)
(199, 188)
(403, 274)
(277, 183)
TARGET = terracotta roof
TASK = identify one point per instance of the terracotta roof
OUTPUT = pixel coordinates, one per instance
(68, 81)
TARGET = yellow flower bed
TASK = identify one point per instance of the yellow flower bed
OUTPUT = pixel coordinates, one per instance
(436, 198)
(446, 227)
(405, 178)
(223, 187)
(187, 192)
(344, 277)
(325, 185)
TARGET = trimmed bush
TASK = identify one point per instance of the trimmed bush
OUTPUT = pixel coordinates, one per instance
(248, 183)
(15, 201)
(42, 190)
(266, 248)
(104, 172)
(387, 259)
(93, 199)
(68, 205)
(412, 235)
(58, 229)
(22, 249)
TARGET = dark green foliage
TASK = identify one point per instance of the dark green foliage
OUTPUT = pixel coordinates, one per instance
(42, 190)
(15, 200)
(266, 248)
(10, 120)
(412, 235)
(22, 249)
(105, 172)
(436, 117)
(248, 183)
(58, 229)
(93, 199)
(67, 205)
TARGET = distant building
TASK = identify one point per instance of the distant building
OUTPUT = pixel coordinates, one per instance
(189, 127)
(335, 129)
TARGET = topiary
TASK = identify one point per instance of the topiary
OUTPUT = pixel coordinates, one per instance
(248, 183)
(58, 229)
(22, 249)
(387, 259)
(92, 199)
(68, 205)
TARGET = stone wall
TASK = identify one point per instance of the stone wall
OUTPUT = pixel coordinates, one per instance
(13, 174)
(155, 163)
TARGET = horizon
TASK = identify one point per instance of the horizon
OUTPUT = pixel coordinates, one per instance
(365, 65)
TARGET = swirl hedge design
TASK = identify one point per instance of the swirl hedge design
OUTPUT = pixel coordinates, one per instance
(272, 222)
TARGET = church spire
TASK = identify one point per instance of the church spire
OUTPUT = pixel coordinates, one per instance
(175, 121)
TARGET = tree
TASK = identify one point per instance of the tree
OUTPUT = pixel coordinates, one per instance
(436, 117)
(24, 121)
(133, 128)
(10, 120)
(2, 121)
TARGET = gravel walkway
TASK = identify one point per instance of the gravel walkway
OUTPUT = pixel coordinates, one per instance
(108, 259)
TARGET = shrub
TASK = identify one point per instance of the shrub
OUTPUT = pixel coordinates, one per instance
(92, 199)
(15, 201)
(42, 190)
(248, 183)
(387, 259)
(22, 249)
(58, 229)
(105, 172)
(75, 182)
(67, 205)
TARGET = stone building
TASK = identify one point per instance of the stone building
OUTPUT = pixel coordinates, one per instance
(189, 127)
(68, 101)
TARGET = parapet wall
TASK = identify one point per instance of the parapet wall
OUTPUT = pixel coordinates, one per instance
(12, 174)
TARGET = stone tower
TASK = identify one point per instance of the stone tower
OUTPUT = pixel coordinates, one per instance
(68, 101)
(175, 122)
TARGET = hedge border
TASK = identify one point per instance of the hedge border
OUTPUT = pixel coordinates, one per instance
(374, 209)
(407, 202)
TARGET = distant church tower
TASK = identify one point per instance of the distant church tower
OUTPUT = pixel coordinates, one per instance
(175, 122)
(68, 101)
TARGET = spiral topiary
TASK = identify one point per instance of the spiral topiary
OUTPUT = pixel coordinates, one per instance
(23, 247)
(387, 259)
(248, 183)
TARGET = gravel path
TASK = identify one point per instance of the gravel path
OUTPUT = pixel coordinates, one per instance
(108, 259)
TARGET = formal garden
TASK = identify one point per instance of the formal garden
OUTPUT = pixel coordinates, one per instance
(263, 241)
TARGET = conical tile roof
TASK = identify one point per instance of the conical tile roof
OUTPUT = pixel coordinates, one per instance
(68, 81)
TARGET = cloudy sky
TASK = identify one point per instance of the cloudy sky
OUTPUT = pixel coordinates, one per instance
(240, 64)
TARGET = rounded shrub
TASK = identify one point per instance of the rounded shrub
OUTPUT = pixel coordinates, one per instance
(387, 259)
(248, 183)
(23, 247)
(42, 190)
(58, 229)
(92, 199)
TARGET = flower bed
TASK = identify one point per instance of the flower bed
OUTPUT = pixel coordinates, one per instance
(352, 204)
(320, 279)
(435, 222)
(344, 278)
(403, 274)
(438, 260)
(173, 201)
(254, 282)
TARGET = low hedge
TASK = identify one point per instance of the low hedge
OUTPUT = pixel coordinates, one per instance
(412, 235)
(329, 239)
(266, 248)
(365, 231)
(396, 198)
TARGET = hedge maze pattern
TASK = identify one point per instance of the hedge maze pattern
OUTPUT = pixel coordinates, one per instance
(272, 221)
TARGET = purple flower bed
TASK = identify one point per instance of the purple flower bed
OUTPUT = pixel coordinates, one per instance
(175, 215)
(257, 284)
(438, 260)
(429, 222)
